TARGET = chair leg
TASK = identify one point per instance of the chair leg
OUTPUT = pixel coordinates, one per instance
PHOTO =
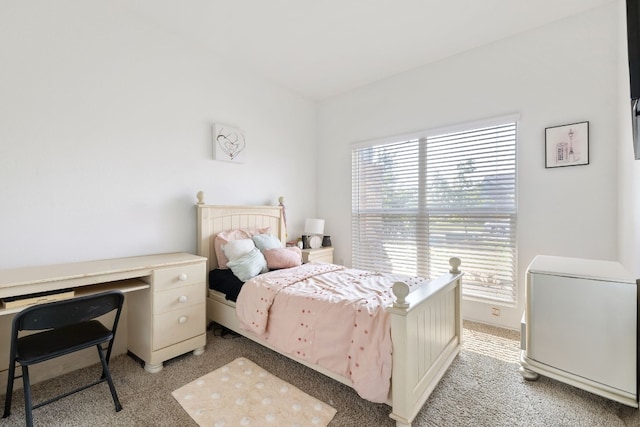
(9, 395)
(28, 406)
(106, 373)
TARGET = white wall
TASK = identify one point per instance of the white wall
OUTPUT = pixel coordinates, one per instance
(105, 135)
(629, 169)
(565, 72)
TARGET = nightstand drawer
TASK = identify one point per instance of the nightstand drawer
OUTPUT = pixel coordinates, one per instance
(177, 298)
(186, 275)
(317, 255)
(178, 325)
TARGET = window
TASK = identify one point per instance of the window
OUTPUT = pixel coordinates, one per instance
(418, 200)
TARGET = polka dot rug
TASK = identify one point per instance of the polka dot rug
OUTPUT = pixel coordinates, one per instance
(241, 393)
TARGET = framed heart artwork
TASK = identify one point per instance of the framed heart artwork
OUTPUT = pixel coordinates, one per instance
(228, 143)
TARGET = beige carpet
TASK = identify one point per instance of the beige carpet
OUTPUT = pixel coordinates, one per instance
(481, 388)
(241, 393)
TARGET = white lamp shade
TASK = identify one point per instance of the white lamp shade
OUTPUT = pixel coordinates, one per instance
(314, 226)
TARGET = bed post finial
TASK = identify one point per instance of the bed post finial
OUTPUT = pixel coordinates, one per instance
(284, 216)
(454, 262)
(200, 197)
(400, 290)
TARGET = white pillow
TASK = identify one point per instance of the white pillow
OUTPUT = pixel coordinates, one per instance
(237, 248)
(249, 265)
(227, 236)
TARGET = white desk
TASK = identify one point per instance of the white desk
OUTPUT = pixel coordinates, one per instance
(164, 314)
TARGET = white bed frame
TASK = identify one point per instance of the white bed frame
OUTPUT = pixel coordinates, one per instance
(426, 324)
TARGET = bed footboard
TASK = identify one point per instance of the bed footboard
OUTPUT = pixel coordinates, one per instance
(426, 329)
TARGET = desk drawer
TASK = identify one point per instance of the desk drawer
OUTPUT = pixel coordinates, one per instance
(166, 278)
(177, 298)
(178, 325)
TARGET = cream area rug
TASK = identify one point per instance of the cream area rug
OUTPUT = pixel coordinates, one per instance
(241, 393)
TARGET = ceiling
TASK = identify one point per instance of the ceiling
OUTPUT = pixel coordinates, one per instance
(322, 48)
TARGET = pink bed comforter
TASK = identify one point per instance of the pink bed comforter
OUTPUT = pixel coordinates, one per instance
(327, 315)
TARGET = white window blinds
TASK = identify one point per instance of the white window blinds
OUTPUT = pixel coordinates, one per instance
(417, 202)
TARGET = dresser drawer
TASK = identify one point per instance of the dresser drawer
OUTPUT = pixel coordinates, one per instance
(178, 325)
(165, 278)
(176, 298)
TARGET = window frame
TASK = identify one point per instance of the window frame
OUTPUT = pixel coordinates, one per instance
(423, 214)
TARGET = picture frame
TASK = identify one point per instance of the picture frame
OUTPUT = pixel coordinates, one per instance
(567, 145)
(229, 143)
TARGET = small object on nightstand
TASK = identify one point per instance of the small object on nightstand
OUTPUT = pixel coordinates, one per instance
(315, 242)
(326, 241)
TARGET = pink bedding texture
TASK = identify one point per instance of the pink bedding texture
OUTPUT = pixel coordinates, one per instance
(327, 315)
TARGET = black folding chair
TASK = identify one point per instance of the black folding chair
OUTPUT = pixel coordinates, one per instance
(65, 327)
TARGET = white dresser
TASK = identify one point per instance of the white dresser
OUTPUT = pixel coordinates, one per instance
(580, 326)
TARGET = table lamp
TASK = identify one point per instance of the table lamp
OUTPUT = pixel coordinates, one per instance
(314, 228)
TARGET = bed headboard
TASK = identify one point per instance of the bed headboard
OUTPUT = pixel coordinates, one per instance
(212, 219)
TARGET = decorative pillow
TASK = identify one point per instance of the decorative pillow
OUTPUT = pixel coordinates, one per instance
(248, 265)
(266, 241)
(237, 248)
(283, 257)
(229, 235)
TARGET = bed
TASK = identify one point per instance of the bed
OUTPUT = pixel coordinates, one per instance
(425, 323)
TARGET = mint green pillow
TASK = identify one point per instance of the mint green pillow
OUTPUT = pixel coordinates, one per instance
(249, 265)
(266, 241)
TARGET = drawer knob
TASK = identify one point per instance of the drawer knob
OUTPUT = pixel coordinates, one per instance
(183, 319)
(182, 277)
(183, 298)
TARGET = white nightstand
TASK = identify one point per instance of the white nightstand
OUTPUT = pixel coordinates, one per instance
(318, 255)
